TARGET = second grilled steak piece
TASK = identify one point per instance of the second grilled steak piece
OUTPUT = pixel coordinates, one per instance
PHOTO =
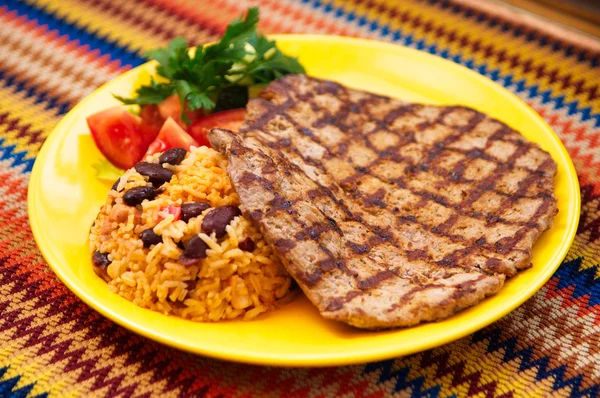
(386, 213)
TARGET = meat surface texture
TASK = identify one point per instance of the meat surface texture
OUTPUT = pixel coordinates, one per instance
(388, 213)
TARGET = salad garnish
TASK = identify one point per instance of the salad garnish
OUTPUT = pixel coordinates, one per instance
(243, 57)
(192, 91)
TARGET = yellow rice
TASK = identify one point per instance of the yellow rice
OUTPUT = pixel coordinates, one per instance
(229, 283)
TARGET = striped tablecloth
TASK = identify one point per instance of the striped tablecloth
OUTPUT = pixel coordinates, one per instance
(54, 52)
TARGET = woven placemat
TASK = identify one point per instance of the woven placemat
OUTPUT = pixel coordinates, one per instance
(54, 52)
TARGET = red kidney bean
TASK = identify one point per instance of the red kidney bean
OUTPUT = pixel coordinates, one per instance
(247, 245)
(172, 156)
(156, 174)
(149, 237)
(100, 259)
(135, 196)
(218, 219)
(193, 209)
(100, 263)
(116, 184)
(194, 250)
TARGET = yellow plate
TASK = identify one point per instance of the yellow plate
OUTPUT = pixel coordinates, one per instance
(65, 196)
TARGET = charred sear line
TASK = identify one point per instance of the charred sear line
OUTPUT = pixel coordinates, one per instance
(376, 280)
(337, 303)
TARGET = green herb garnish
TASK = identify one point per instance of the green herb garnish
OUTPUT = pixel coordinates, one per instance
(242, 57)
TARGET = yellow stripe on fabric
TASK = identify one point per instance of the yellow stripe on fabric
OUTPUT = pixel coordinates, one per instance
(488, 37)
(18, 105)
(101, 23)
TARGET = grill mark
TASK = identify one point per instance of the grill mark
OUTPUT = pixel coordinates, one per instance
(394, 114)
(507, 243)
(493, 263)
(284, 245)
(456, 174)
(315, 231)
(457, 290)
(519, 194)
(521, 150)
(375, 280)
(417, 254)
(249, 178)
(342, 149)
(280, 110)
(546, 165)
(337, 303)
(376, 199)
(507, 166)
(445, 227)
(358, 248)
(310, 279)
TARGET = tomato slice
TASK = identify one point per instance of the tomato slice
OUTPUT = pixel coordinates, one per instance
(229, 120)
(117, 135)
(171, 135)
(151, 115)
(151, 123)
(171, 107)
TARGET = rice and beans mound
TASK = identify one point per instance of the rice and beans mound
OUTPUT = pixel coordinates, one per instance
(172, 238)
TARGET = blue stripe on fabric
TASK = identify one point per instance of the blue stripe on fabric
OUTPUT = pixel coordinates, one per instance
(402, 380)
(92, 39)
(7, 152)
(508, 81)
(7, 387)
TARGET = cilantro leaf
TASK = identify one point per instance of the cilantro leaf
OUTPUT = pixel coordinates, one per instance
(153, 94)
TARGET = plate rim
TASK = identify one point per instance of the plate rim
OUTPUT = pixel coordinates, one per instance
(332, 360)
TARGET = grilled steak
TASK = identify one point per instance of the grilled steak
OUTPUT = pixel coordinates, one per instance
(388, 213)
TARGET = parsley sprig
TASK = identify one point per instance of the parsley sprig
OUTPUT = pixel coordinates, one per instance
(242, 57)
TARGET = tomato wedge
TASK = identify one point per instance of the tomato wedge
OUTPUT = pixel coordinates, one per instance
(229, 120)
(171, 107)
(171, 135)
(118, 136)
(151, 115)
